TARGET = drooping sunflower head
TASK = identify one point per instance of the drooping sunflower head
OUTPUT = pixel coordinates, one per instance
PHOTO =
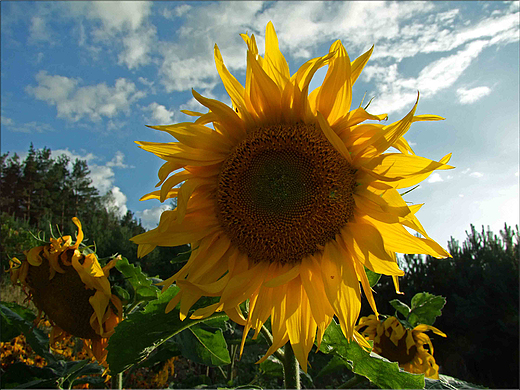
(411, 348)
(287, 197)
(72, 290)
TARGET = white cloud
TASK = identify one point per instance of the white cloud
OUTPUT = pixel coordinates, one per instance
(94, 101)
(117, 161)
(150, 217)
(160, 114)
(476, 174)
(171, 13)
(4, 121)
(118, 201)
(31, 127)
(396, 92)
(120, 25)
(39, 31)
(102, 177)
(468, 96)
(137, 46)
(434, 178)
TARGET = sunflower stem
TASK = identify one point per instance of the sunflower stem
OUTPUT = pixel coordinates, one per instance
(291, 368)
(117, 381)
(267, 335)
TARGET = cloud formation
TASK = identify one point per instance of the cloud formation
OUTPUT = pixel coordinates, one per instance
(74, 102)
(160, 114)
(468, 96)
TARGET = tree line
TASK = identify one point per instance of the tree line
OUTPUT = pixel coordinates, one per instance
(481, 285)
(43, 192)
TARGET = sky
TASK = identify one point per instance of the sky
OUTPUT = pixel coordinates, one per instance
(84, 78)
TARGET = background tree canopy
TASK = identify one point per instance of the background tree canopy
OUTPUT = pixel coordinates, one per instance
(480, 281)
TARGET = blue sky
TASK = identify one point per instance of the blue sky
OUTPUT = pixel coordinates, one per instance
(83, 78)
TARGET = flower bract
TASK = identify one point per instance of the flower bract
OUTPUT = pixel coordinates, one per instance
(73, 291)
(287, 196)
(411, 348)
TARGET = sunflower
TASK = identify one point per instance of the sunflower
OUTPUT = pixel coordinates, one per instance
(73, 291)
(287, 197)
(399, 344)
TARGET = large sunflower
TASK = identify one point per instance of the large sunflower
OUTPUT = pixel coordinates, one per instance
(73, 291)
(399, 344)
(288, 197)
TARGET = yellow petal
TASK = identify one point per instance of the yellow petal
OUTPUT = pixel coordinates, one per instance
(341, 286)
(335, 94)
(358, 64)
(333, 138)
(398, 239)
(275, 64)
(301, 326)
(365, 242)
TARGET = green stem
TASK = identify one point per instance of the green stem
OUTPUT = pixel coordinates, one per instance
(117, 381)
(291, 368)
(265, 332)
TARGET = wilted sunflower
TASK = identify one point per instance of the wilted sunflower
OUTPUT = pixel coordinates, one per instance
(404, 346)
(72, 290)
(288, 197)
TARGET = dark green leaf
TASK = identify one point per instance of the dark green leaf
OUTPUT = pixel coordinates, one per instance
(8, 331)
(373, 277)
(334, 364)
(141, 284)
(426, 308)
(400, 307)
(121, 293)
(37, 339)
(21, 375)
(142, 332)
(272, 367)
(204, 347)
(378, 370)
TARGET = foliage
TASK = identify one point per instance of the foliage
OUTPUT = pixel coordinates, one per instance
(425, 308)
(480, 284)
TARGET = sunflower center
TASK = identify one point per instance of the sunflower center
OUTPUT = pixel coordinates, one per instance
(284, 192)
(64, 298)
(396, 353)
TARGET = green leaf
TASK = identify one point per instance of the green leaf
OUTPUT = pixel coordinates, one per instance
(142, 332)
(37, 339)
(121, 293)
(333, 365)
(10, 332)
(426, 308)
(142, 285)
(20, 375)
(448, 382)
(204, 347)
(400, 307)
(272, 367)
(378, 370)
(373, 277)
